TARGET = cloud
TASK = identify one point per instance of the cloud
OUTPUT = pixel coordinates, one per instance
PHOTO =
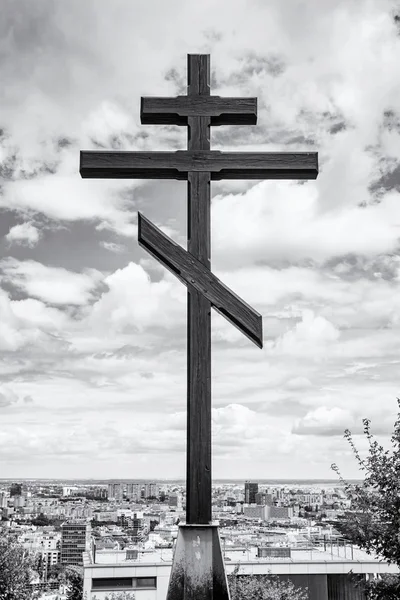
(24, 233)
(15, 331)
(324, 421)
(309, 337)
(238, 429)
(134, 301)
(66, 197)
(280, 223)
(7, 397)
(54, 285)
(113, 247)
(298, 383)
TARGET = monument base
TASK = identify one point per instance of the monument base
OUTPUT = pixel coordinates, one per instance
(198, 569)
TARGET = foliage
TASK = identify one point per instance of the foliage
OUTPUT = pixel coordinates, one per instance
(262, 587)
(75, 585)
(387, 588)
(57, 572)
(41, 520)
(15, 570)
(373, 523)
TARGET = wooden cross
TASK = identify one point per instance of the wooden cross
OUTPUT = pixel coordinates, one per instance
(199, 166)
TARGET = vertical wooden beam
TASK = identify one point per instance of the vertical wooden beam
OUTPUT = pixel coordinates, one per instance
(198, 475)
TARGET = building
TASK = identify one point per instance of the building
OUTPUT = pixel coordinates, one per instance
(134, 491)
(75, 539)
(50, 551)
(250, 491)
(115, 491)
(175, 499)
(151, 490)
(263, 498)
(146, 573)
(68, 490)
(19, 501)
(257, 512)
(281, 512)
(3, 500)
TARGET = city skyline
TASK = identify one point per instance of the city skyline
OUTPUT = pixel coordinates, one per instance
(93, 330)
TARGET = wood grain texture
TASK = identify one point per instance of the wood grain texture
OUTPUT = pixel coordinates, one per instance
(175, 111)
(177, 165)
(194, 274)
(198, 456)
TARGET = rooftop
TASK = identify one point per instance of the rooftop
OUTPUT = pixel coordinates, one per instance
(349, 556)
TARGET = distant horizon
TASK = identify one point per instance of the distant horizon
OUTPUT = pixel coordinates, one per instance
(179, 479)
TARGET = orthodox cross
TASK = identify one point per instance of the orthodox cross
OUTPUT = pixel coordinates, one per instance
(199, 165)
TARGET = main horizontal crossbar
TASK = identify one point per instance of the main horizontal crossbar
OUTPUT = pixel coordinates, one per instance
(175, 111)
(177, 165)
(193, 273)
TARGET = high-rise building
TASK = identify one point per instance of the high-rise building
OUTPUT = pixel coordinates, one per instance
(75, 539)
(115, 491)
(19, 501)
(134, 491)
(250, 491)
(175, 499)
(3, 500)
(263, 499)
(151, 490)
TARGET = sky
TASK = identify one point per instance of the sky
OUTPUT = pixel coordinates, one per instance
(93, 329)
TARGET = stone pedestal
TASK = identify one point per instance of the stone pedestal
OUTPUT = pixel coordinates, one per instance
(198, 569)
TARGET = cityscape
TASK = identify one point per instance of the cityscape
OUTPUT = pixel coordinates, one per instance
(120, 535)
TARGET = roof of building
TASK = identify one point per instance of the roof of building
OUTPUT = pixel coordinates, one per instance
(341, 559)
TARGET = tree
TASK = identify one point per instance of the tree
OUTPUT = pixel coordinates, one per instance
(75, 585)
(15, 570)
(262, 587)
(373, 523)
(57, 572)
(41, 520)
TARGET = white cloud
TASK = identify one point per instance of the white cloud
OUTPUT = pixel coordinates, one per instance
(309, 337)
(14, 333)
(278, 222)
(132, 300)
(67, 197)
(7, 397)
(36, 313)
(50, 284)
(24, 233)
(298, 383)
(113, 247)
(324, 420)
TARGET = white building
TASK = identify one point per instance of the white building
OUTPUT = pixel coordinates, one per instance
(115, 491)
(134, 491)
(146, 573)
(151, 490)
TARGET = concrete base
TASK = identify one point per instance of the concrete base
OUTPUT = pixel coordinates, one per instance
(198, 569)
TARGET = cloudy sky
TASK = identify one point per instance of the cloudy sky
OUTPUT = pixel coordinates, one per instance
(93, 330)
